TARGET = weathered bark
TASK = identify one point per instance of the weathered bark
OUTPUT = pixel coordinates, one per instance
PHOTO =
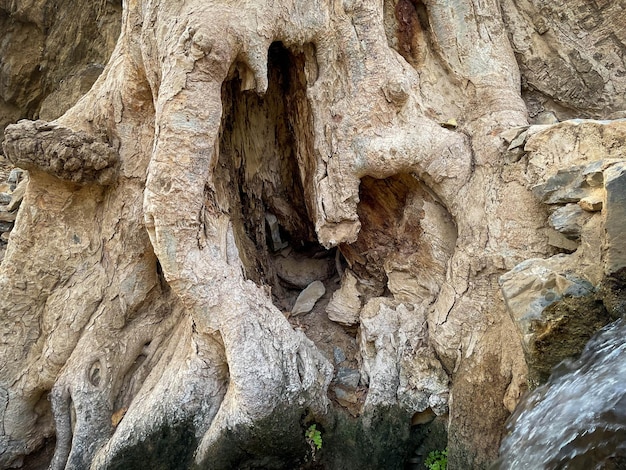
(144, 301)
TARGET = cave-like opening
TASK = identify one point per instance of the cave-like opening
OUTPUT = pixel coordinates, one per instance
(265, 153)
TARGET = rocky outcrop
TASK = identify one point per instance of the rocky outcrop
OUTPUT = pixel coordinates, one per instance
(558, 303)
(51, 55)
(571, 56)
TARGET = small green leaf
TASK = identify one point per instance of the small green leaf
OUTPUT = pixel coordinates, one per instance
(437, 460)
(314, 436)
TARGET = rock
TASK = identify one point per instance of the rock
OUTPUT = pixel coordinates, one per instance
(338, 355)
(345, 397)
(591, 203)
(5, 237)
(69, 91)
(300, 271)
(518, 141)
(423, 417)
(569, 220)
(348, 378)
(6, 226)
(618, 115)
(510, 135)
(308, 297)
(15, 176)
(517, 137)
(5, 198)
(535, 284)
(615, 222)
(345, 305)
(593, 174)
(546, 117)
(558, 240)
(277, 242)
(18, 195)
(564, 187)
(566, 64)
(6, 216)
(562, 331)
(554, 309)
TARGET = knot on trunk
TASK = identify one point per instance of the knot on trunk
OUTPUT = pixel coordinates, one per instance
(73, 156)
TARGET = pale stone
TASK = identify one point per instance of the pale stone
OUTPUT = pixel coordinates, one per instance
(546, 117)
(15, 176)
(6, 216)
(591, 203)
(593, 173)
(558, 240)
(345, 397)
(308, 298)
(272, 222)
(348, 378)
(518, 141)
(345, 304)
(509, 135)
(300, 271)
(18, 194)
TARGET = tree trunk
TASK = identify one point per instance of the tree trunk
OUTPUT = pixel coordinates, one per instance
(230, 155)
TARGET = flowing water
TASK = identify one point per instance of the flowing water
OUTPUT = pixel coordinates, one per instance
(576, 421)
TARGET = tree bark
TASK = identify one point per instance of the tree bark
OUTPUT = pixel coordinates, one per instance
(145, 303)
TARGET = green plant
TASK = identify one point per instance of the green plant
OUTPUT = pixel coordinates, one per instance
(437, 460)
(313, 437)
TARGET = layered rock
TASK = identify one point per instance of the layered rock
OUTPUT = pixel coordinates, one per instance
(558, 303)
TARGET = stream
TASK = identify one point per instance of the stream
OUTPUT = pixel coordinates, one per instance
(577, 420)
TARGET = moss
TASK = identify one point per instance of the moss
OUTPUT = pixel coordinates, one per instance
(382, 439)
(613, 293)
(276, 442)
(563, 331)
(169, 448)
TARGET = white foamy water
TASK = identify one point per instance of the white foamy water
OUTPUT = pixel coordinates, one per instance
(576, 421)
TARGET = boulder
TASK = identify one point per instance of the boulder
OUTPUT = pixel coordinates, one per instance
(615, 217)
(299, 270)
(308, 298)
(345, 304)
(555, 311)
(569, 220)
